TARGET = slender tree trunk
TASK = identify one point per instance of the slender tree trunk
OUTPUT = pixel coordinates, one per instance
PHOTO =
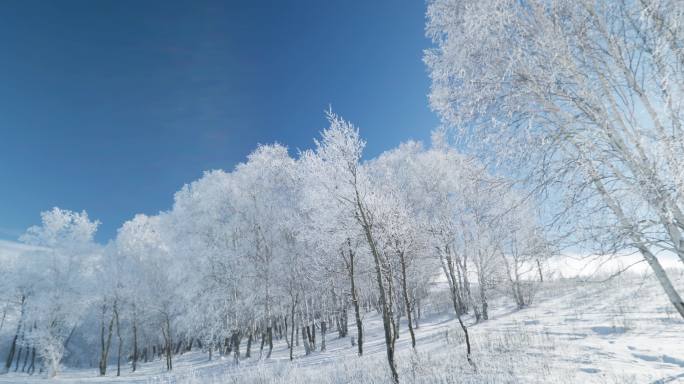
(4, 315)
(287, 338)
(342, 326)
(248, 353)
(449, 271)
(292, 331)
(21, 348)
(135, 343)
(407, 300)
(169, 342)
(32, 366)
(236, 346)
(305, 341)
(483, 301)
(313, 335)
(539, 269)
(324, 329)
(309, 335)
(105, 341)
(269, 331)
(26, 357)
(118, 335)
(467, 340)
(355, 303)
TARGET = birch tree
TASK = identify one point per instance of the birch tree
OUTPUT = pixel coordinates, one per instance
(67, 255)
(337, 163)
(581, 94)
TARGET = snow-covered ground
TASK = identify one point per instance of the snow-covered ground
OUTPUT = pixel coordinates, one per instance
(619, 331)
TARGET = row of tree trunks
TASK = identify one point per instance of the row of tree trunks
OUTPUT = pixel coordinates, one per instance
(20, 349)
(13, 345)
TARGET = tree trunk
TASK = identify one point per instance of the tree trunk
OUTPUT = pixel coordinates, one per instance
(269, 331)
(105, 343)
(4, 315)
(235, 340)
(483, 301)
(449, 271)
(342, 325)
(467, 339)
(539, 269)
(305, 341)
(407, 300)
(292, 332)
(313, 335)
(21, 349)
(169, 343)
(248, 353)
(26, 357)
(355, 303)
(309, 335)
(32, 366)
(135, 343)
(324, 329)
(118, 335)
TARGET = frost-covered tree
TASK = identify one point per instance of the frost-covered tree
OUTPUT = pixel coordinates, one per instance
(267, 210)
(336, 162)
(585, 95)
(65, 260)
(142, 240)
(278, 248)
(330, 229)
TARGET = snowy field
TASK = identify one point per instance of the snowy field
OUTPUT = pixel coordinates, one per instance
(619, 331)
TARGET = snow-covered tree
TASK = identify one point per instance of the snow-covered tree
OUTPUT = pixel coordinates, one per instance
(581, 95)
(65, 261)
(336, 162)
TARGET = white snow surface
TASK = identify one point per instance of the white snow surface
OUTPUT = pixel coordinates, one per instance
(617, 331)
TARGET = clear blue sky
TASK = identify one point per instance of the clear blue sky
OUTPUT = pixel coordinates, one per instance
(111, 106)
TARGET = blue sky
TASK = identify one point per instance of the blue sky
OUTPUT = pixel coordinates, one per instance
(111, 106)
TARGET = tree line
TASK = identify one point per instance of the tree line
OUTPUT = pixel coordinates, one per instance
(286, 248)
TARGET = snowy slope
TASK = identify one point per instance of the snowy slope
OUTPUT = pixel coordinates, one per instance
(619, 331)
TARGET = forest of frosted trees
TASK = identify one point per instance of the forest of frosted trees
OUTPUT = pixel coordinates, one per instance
(562, 128)
(281, 247)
